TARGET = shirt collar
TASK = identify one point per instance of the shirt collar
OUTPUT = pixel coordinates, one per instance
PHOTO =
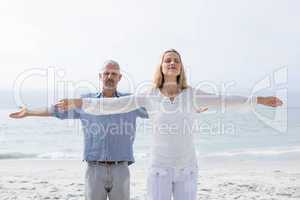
(99, 94)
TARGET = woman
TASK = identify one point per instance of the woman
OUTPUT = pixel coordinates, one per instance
(172, 105)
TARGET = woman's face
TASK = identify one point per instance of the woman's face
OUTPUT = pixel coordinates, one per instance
(171, 65)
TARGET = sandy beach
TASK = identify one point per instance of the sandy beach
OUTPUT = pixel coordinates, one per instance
(64, 179)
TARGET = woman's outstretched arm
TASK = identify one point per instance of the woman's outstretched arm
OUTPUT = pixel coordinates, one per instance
(223, 101)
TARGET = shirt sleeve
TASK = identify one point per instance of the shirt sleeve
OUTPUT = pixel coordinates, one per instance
(70, 114)
(142, 113)
(231, 102)
(106, 106)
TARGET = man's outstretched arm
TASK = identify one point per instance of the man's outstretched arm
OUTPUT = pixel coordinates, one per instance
(24, 112)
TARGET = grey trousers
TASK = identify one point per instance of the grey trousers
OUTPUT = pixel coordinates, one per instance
(107, 181)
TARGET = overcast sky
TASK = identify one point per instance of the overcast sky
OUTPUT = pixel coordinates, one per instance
(232, 40)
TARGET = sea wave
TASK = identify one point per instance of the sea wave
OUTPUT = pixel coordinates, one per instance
(16, 155)
(50, 155)
(59, 155)
(255, 152)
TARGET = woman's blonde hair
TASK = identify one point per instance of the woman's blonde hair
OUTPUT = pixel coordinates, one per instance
(159, 77)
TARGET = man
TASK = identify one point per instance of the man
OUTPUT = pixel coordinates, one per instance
(108, 140)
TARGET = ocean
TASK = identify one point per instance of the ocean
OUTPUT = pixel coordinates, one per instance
(232, 135)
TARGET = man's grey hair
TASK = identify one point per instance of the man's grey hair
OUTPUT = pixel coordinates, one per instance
(112, 62)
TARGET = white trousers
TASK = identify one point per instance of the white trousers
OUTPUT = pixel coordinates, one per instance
(165, 183)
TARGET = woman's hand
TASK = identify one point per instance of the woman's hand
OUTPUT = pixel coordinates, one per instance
(200, 110)
(269, 101)
(20, 114)
(68, 104)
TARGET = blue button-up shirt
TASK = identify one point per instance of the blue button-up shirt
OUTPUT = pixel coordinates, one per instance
(106, 137)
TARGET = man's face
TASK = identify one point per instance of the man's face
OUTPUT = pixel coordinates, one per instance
(110, 76)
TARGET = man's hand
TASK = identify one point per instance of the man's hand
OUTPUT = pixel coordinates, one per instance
(269, 101)
(68, 104)
(20, 114)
